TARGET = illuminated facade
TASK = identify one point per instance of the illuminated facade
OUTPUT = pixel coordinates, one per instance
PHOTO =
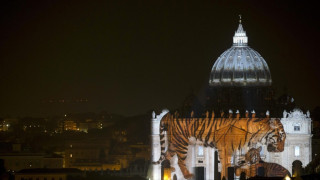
(70, 125)
(240, 80)
(298, 145)
(155, 143)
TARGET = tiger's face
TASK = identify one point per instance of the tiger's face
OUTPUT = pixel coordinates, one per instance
(276, 137)
(253, 155)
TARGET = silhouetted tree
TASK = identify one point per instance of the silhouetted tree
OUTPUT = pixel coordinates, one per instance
(311, 167)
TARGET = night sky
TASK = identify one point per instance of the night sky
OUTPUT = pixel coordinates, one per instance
(129, 57)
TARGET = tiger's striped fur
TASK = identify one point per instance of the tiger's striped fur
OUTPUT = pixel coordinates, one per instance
(225, 134)
(270, 169)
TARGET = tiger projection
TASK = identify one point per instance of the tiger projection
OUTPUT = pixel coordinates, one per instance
(225, 134)
(253, 161)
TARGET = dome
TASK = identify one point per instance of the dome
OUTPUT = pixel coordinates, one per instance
(240, 65)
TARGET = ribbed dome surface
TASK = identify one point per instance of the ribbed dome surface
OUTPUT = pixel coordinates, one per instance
(240, 65)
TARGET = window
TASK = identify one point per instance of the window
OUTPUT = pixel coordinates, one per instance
(200, 151)
(296, 128)
(296, 151)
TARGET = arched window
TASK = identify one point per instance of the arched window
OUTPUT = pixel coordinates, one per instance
(165, 169)
(296, 168)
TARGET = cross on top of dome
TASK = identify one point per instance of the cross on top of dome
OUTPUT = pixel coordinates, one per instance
(240, 38)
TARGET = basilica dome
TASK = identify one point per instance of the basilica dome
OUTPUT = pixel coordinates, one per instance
(240, 65)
